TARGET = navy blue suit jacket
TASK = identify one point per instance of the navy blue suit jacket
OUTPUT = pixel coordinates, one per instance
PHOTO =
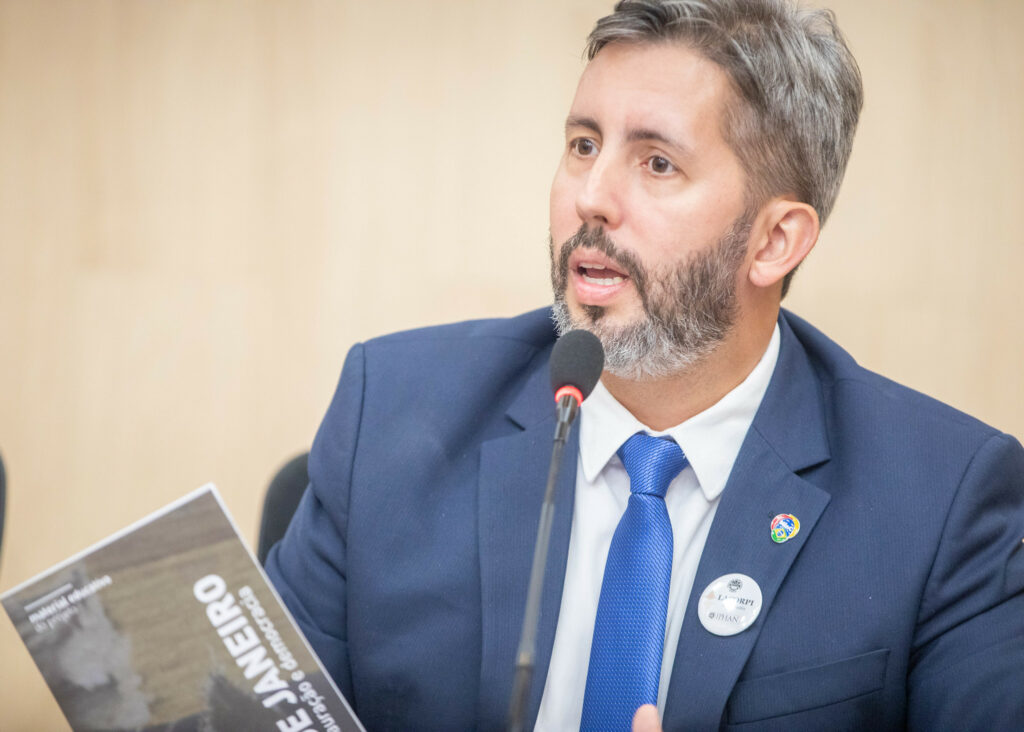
(898, 604)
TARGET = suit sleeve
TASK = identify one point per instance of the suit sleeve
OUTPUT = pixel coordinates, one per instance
(967, 667)
(307, 566)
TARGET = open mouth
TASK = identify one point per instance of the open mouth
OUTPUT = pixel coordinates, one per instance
(599, 274)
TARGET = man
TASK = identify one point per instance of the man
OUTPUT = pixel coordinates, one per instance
(808, 546)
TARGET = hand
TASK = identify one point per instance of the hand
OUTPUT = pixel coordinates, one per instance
(646, 719)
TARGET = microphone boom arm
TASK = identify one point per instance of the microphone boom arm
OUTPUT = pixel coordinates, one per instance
(568, 405)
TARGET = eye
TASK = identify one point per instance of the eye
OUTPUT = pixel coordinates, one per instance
(660, 165)
(583, 146)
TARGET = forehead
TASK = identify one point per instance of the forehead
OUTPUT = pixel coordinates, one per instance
(666, 86)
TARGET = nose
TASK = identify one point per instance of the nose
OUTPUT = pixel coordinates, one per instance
(598, 199)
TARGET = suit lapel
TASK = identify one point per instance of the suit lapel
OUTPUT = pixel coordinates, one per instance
(706, 666)
(513, 474)
(788, 434)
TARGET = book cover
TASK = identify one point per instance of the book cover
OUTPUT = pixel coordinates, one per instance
(171, 626)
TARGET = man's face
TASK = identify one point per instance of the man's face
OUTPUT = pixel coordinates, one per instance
(647, 210)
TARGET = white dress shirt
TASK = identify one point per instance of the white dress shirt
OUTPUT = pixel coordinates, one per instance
(711, 441)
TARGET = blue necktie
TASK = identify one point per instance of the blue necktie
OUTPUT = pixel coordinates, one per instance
(629, 632)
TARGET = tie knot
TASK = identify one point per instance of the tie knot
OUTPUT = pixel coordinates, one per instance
(651, 462)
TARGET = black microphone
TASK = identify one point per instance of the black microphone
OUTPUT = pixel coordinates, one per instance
(576, 363)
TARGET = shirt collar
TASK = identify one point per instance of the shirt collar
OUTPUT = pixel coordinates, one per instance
(710, 440)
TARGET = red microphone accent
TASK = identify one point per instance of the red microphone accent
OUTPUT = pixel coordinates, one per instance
(571, 391)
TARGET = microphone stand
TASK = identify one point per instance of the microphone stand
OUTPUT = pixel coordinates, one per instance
(568, 405)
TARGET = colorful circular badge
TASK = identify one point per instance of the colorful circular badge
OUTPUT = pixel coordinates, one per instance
(784, 527)
(729, 605)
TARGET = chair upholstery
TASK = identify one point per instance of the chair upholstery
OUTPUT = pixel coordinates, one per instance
(280, 502)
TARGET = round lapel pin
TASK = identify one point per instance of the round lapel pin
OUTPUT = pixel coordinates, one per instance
(784, 527)
(729, 605)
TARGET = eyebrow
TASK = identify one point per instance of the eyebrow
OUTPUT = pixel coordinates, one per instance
(637, 134)
(643, 134)
(587, 122)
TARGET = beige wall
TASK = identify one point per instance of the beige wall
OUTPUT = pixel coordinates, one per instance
(204, 204)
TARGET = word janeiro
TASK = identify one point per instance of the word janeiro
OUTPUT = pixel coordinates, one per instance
(242, 642)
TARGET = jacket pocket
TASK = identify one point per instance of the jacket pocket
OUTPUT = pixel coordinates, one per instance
(807, 688)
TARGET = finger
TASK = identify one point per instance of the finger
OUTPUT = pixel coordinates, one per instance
(646, 719)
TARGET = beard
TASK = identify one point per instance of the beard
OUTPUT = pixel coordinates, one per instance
(689, 308)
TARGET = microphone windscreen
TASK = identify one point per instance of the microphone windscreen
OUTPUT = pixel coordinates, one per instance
(577, 360)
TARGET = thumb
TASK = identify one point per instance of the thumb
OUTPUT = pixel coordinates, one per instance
(646, 719)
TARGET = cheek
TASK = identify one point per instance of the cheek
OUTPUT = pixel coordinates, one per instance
(673, 233)
(564, 220)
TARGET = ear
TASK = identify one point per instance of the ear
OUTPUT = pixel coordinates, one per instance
(790, 232)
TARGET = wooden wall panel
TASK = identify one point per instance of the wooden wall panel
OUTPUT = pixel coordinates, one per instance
(204, 204)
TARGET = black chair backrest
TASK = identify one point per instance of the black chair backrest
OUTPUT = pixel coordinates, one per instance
(283, 496)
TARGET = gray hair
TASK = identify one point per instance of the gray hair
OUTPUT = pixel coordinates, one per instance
(798, 86)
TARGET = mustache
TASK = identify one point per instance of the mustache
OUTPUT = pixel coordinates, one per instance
(598, 239)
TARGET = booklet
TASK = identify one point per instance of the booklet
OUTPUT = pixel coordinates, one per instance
(171, 626)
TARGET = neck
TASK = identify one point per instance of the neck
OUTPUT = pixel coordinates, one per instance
(663, 403)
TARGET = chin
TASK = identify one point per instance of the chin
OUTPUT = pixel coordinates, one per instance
(615, 315)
